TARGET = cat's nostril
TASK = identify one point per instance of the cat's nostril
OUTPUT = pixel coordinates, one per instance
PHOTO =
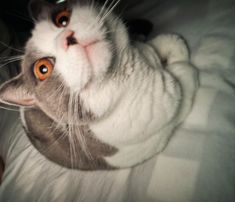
(71, 40)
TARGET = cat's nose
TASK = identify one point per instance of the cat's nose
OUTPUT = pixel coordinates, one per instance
(68, 39)
(71, 40)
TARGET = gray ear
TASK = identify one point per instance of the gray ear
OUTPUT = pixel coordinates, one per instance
(39, 9)
(14, 92)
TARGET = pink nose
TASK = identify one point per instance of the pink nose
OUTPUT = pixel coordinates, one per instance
(68, 39)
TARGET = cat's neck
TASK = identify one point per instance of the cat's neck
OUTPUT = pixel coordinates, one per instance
(132, 67)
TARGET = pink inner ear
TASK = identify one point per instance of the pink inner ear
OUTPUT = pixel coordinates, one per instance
(18, 98)
(26, 102)
(15, 92)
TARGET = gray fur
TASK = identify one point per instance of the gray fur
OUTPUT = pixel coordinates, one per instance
(53, 142)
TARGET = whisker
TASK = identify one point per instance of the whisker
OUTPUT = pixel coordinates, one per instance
(92, 4)
(102, 8)
(57, 126)
(71, 147)
(61, 136)
(102, 13)
(99, 15)
(70, 130)
(9, 47)
(9, 109)
(80, 129)
(95, 21)
(15, 60)
(9, 57)
(109, 11)
(17, 14)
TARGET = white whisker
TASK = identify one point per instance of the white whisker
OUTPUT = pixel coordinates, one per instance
(9, 109)
(13, 60)
(71, 130)
(92, 5)
(102, 9)
(111, 7)
(95, 20)
(9, 47)
(19, 15)
(100, 14)
(6, 58)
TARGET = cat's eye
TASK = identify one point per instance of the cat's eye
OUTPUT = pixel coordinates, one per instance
(43, 68)
(62, 18)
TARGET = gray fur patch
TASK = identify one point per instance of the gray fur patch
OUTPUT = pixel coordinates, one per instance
(53, 142)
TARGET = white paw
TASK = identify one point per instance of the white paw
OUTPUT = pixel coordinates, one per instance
(171, 48)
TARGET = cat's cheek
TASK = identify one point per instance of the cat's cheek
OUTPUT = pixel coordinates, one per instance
(60, 116)
(53, 104)
(75, 69)
(100, 56)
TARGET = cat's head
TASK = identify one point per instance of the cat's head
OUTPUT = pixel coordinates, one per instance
(74, 45)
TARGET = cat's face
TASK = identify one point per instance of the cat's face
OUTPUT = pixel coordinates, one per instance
(73, 46)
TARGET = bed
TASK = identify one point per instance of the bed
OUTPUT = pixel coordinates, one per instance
(198, 165)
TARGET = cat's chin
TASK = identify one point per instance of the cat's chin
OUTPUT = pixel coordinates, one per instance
(99, 57)
(81, 64)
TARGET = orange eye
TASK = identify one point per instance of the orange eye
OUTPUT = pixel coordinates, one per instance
(43, 68)
(62, 18)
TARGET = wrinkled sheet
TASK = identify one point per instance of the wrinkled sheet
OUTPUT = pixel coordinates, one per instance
(199, 163)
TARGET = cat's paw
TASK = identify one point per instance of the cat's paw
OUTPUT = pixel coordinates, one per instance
(188, 77)
(171, 48)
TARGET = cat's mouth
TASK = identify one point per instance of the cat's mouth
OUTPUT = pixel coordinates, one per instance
(88, 48)
(82, 58)
(71, 40)
(87, 45)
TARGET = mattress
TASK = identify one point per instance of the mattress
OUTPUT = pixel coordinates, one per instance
(198, 165)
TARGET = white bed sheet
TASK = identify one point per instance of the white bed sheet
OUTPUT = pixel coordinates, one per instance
(199, 163)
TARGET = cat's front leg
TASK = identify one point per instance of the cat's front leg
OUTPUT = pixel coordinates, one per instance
(174, 54)
(187, 75)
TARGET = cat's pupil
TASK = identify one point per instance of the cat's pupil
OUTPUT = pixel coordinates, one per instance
(43, 69)
(63, 20)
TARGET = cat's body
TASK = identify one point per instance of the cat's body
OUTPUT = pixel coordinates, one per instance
(108, 103)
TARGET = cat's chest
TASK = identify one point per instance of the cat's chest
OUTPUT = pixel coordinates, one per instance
(137, 116)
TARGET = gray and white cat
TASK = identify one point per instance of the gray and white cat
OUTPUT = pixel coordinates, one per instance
(92, 99)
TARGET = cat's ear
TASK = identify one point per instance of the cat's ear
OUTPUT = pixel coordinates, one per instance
(14, 92)
(39, 9)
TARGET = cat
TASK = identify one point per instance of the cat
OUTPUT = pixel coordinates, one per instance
(93, 99)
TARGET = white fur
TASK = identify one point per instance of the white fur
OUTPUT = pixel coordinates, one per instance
(146, 114)
(171, 47)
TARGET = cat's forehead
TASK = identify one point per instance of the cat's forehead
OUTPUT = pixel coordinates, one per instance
(45, 32)
(32, 54)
